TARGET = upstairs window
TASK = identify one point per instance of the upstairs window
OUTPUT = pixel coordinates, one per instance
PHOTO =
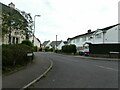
(84, 39)
(98, 36)
(77, 40)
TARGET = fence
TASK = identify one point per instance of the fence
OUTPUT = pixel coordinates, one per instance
(105, 50)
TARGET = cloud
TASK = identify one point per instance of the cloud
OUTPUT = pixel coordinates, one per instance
(68, 18)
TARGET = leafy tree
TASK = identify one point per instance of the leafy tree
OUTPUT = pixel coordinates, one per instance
(14, 20)
(29, 29)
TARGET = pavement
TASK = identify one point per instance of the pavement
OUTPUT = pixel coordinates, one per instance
(98, 58)
(29, 75)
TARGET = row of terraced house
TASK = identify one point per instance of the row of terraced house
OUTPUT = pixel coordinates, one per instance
(101, 41)
(105, 36)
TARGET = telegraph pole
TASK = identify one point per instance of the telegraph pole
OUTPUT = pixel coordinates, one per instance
(56, 42)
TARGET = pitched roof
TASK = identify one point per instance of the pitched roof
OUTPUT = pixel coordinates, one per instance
(45, 43)
(38, 39)
(53, 43)
(103, 29)
(65, 42)
(107, 28)
(81, 35)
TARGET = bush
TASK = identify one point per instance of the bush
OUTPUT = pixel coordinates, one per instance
(13, 55)
(46, 49)
(40, 49)
(51, 49)
(35, 48)
(69, 48)
(27, 42)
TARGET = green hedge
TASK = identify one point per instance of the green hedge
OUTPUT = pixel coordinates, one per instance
(47, 49)
(69, 48)
(13, 55)
(27, 42)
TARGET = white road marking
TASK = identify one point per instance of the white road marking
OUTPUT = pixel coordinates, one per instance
(106, 68)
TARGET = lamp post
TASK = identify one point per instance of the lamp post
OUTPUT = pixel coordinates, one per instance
(34, 27)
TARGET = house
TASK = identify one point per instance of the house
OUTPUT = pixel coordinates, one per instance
(54, 44)
(57, 44)
(100, 36)
(37, 42)
(16, 35)
(46, 44)
(59, 47)
(80, 40)
(107, 35)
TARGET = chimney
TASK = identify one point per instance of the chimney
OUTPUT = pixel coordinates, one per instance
(11, 5)
(89, 31)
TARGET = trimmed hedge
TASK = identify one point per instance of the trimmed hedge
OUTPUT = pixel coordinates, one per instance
(27, 42)
(69, 48)
(13, 55)
(47, 49)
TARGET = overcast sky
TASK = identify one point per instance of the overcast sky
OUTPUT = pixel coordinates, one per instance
(68, 18)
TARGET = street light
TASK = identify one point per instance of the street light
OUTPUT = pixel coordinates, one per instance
(34, 27)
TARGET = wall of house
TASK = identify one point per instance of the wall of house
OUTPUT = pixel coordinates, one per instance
(112, 35)
(36, 42)
(16, 38)
(48, 45)
(79, 41)
(118, 33)
(59, 47)
(98, 37)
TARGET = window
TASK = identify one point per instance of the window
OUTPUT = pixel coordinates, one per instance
(73, 41)
(98, 35)
(77, 40)
(16, 40)
(13, 41)
(16, 33)
(90, 38)
(84, 39)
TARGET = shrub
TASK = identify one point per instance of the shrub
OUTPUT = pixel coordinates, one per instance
(35, 48)
(40, 49)
(27, 42)
(51, 49)
(13, 55)
(46, 49)
(69, 48)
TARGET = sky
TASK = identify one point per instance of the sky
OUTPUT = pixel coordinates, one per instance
(68, 18)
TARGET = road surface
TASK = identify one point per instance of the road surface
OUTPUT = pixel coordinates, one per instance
(74, 72)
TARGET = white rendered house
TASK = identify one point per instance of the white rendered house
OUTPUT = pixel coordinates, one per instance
(100, 36)
(37, 42)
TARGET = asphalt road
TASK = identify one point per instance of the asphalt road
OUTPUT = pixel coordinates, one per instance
(74, 72)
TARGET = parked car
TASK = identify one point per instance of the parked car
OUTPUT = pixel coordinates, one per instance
(84, 51)
(81, 52)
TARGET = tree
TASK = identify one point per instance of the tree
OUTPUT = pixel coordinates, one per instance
(14, 20)
(29, 29)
